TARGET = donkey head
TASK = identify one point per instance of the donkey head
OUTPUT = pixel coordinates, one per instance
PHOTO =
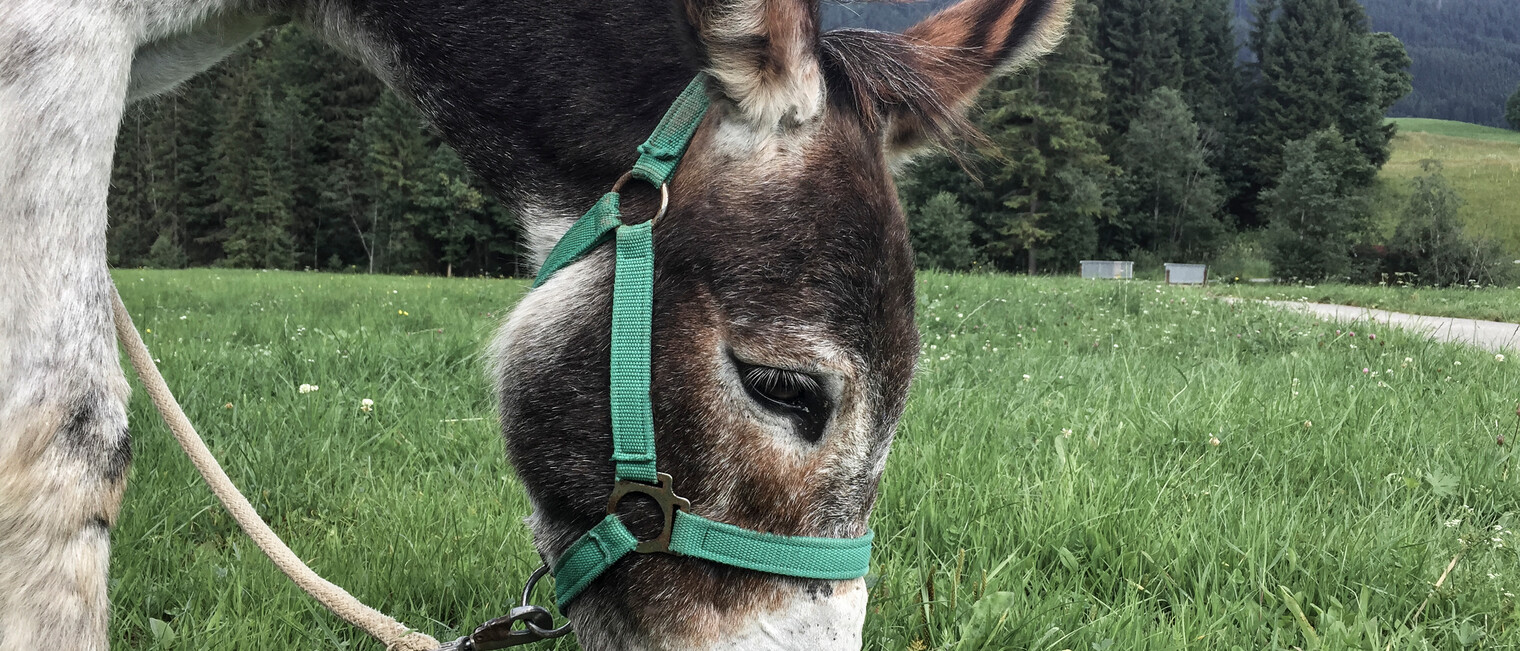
(783, 337)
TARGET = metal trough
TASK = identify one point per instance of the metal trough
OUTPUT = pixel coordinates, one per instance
(1113, 269)
(1187, 274)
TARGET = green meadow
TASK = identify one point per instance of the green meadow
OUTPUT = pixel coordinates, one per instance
(1085, 466)
(1482, 163)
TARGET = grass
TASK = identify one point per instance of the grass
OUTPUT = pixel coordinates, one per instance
(1482, 163)
(1487, 303)
(1054, 484)
(1457, 129)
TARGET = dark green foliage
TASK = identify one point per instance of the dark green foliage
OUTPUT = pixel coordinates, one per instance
(1042, 179)
(1466, 55)
(1173, 198)
(1318, 71)
(1430, 241)
(1391, 61)
(290, 156)
(1318, 208)
(1138, 39)
(1512, 110)
(941, 231)
(1466, 52)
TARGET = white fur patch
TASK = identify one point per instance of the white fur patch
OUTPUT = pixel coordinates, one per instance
(162, 64)
(544, 225)
(807, 622)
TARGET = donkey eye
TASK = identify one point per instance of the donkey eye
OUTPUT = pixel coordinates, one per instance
(784, 389)
(797, 396)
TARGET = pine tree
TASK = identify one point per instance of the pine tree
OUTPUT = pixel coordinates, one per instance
(261, 235)
(1512, 110)
(235, 145)
(130, 234)
(941, 233)
(1051, 180)
(1318, 208)
(1320, 68)
(1173, 198)
(1138, 41)
(1206, 45)
(196, 119)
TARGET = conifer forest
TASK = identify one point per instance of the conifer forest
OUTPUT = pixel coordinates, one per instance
(1159, 130)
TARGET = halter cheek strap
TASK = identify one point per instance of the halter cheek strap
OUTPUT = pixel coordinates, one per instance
(633, 453)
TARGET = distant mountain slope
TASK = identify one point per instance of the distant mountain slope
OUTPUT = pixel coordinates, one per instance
(1466, 55)
(1466, 52)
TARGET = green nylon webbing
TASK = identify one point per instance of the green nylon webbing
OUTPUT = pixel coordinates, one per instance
(658, 158)
(834, 559)
(587, 233)
(662, 152)
(802, 556)
(632, 305)
(633, 452)
(589, 556)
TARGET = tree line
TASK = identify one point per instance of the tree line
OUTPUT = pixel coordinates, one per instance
(1147, 137)
(288, 156)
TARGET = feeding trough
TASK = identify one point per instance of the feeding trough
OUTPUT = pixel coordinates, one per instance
(1187, 274)
(1112, 269)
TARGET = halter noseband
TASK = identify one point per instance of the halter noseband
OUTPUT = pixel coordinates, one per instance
(633, 453)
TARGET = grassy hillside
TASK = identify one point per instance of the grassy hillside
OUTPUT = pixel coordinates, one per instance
(1457, 129)
(1083, 465)
(1483, 163)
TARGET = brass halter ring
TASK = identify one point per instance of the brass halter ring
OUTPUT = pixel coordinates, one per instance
(617, 188)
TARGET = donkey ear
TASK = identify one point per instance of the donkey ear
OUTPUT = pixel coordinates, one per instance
(763, 53)
(968, 44)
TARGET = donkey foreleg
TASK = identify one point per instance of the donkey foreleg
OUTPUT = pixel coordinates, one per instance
(64, 448)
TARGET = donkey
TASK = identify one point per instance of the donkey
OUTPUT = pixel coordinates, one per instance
(783, 335)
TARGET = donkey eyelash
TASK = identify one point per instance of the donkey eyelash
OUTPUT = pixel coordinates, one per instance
(769, 382)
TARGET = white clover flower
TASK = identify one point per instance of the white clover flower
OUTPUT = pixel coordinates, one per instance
(307, 388)
(1026, 377)
(1499, 358)
(366, 405)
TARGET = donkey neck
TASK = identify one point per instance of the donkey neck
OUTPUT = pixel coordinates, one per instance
(545, 99)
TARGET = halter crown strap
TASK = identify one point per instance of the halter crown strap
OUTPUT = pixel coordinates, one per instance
(633, 453)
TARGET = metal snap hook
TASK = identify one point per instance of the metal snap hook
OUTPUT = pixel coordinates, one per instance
(502, 633)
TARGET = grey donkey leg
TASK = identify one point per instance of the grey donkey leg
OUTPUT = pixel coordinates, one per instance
(64, 448)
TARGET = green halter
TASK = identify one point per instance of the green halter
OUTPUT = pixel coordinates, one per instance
(633, 458)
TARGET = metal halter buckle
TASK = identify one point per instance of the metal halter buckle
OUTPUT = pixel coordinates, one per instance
(617, 188)
(662, 495)
(501, 633)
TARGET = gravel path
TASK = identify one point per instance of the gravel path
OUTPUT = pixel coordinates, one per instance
(1493, 336)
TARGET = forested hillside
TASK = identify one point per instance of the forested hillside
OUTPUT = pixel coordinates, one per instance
(1466, 55)
(1145, 136)
(1466, 52)
(290, 156)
